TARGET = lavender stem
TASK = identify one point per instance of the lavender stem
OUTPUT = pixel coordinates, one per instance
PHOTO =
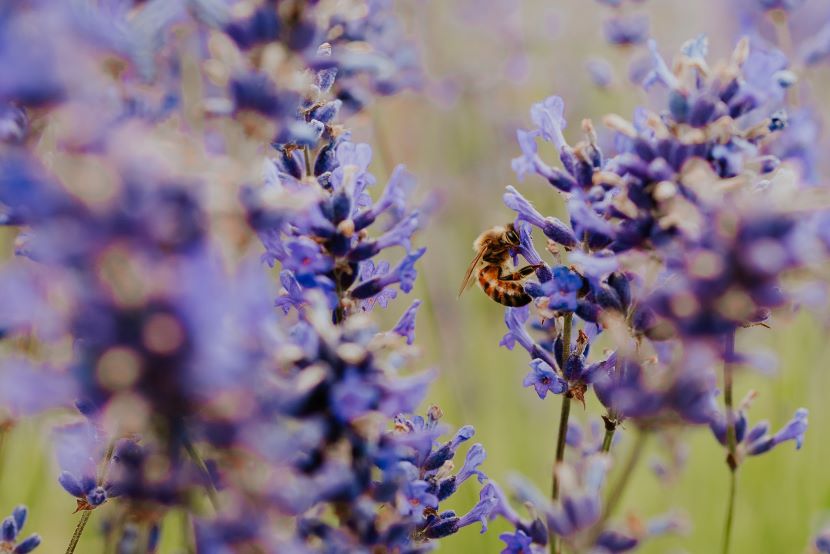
(188, 542)
(615, 495)
(610, 429)
(731, 439)
(307, 156)
(5, 429)
(79, 530)
(567, 320)
(209, 486)
(730, 511)
(616, 491)
(102, 475)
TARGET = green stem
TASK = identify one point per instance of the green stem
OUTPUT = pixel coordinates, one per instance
(610, 428)
(730, 512)
(731, 440)
(307, 155)
(4, 432)
(567, 320)
(79, 530)
(146, 537)
(102, 471)
(560, 442)
(187, 533)
(339, 315)
(213, 495)
(615, 493)
(102, 475)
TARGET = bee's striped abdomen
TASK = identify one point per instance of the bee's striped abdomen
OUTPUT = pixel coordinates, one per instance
(509, 293)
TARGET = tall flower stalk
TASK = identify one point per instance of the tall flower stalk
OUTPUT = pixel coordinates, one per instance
(731, 440)
(194, 375)
(691, 189)
(563, 422)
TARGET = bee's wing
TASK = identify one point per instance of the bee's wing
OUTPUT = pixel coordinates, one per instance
(468, 276)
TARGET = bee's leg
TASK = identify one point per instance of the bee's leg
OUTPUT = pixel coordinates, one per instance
(520, 274)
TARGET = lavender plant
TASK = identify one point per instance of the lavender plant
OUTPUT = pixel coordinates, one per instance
(676, 242)
(289, 411)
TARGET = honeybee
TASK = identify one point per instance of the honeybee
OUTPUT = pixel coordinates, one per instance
(492, 248)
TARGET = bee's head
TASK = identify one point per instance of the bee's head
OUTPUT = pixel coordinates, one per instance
(511, 237)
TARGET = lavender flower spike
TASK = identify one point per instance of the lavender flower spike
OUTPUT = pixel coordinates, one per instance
(758, 440)
(404, 275)
(11, 527)
(544, 379)
(552, 227)
(660, 71)
(405, 326)
(549, 117)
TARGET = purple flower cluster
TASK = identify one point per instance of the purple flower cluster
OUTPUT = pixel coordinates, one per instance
(675, 242)
(801, 29)
(183, 131)
(326, 245)
(575, 516)
(625, 29)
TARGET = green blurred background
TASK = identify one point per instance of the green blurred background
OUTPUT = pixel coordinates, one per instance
(487, 61)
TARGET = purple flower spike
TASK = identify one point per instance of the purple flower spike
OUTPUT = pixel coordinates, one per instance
(405, 326)
(480, 512)
(794, 430)
(529, 252)
(600, 71)
(626, 30)
(14, 124)
(822, 542)
(420, 498)
(71, 484)
(502, 507)
(515, 319)
(475, 457)
(10, 529)
(526, 163)
(789, 5)
(544, 379)
(516, 543)
(549, 117)
(19, 514)
(404, 274)
(394, 198)
(552, 227)
(562, 289)
(368, 270)
(758, 440)
(291, 295)
(447, 450)
(614, 542)
(27, 545)
(401, 234)
(406, 270)
(660, 71)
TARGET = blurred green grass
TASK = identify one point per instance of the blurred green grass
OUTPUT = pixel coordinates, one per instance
(463, 154)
